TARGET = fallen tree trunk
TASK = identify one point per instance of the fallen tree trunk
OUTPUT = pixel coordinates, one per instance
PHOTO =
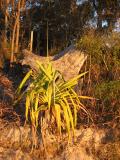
(68, 62)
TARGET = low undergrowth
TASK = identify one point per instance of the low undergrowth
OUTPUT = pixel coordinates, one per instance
(103, 81)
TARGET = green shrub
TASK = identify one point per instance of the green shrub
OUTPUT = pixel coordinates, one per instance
(109, 93)
(103, 63)
(104, 49)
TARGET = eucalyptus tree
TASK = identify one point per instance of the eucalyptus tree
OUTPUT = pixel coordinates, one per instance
(107, 11)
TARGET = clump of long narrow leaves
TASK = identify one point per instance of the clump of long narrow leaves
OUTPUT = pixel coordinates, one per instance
(48, 91)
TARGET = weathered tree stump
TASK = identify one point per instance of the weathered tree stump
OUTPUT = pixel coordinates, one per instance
(68, 62)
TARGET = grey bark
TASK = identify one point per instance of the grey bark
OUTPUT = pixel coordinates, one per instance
(68, 62)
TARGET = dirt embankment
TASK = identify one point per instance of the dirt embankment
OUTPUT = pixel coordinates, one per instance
(91, 143)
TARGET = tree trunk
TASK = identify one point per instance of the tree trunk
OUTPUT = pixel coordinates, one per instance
(31, 41)
(47, 39)
(99, 20)
(6, 22)
(14, 44)
(17, 29)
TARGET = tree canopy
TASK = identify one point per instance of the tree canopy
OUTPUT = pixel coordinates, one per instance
(66, 21)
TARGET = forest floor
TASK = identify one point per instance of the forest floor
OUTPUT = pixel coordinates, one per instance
(91, 143)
